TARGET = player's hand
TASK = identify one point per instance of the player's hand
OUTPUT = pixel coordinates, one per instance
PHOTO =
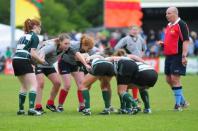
(45, 63)
(88, 67)
(184, 60)
(160, 42)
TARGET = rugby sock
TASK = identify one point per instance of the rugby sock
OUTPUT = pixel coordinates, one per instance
(128, 98)
(135, 93)
(86, 98)
(80, 97)
(178, 94)
(50, 102)
(145, 98)
(32, 97)
(22, 97)
(38, 106)
(128, 105)
(182, 96)
(122, 103)
(106, 98)
(62, 96)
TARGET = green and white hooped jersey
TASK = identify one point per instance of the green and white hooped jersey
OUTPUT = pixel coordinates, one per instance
(25, 44)
(98, 60)
(143, 66)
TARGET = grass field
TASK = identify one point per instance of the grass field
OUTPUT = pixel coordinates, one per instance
(163, 117)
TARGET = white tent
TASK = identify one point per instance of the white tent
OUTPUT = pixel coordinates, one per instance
(5, 36)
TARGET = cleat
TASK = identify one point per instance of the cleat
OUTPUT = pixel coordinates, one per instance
(81, 108)
(33, 112)
(139, 108)
(185, 104)
(40, 110)
(135, 110)
(129, 110)
(122, 111)
(177, 108)
(21, 112)
(86, 112)
(147, 111)
(60, 109)
(51, 108)
(112, 109)
(106, 111)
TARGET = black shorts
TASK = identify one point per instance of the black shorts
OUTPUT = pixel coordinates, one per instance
(22, 67)
(103, 69)
(126, 70)
(173, 65)
(46, 71)
(146, 78)
(66, 68)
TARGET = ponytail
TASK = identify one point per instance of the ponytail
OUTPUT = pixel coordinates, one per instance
(29, 24)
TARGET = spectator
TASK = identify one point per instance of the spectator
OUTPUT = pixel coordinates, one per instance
(8, 53)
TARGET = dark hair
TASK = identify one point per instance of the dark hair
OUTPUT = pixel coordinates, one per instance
(120, 52)
(29, 24)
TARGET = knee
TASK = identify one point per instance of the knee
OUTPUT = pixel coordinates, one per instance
(175, 82)
(67, 87)
(40, 85)
(57, 84)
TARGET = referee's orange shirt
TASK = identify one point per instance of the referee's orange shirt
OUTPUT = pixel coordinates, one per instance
(175, 34)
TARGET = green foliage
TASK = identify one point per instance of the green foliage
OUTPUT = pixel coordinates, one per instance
(163, 118)
(54, 17)
(62, 15)
(5, 11)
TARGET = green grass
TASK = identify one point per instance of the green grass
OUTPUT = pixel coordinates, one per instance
(163, 117)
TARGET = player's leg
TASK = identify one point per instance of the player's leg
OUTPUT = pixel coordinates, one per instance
(126, 97)
(22, 95)
(29, 82)
(86, 85)
(66, 79)
(40, 81)
(106, 93)
(56, 83)
(78, 77)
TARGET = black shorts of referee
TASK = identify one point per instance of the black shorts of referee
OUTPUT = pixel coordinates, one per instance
(145, 78)
(126, 70)
(22, 66)
(103, 69)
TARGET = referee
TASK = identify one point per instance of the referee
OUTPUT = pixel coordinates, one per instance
(176, 49)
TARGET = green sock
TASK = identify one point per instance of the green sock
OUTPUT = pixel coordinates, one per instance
(106, 98)
(128, 105)
(86, 98)
(122, 103)
(22, 97)
(32, 97)
(145, 98)
(128, 98)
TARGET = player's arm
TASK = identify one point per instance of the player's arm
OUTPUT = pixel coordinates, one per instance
(137, 58)
(80, 57)
(36, 57)
(185, 37)
(121, 43)
(33, 52)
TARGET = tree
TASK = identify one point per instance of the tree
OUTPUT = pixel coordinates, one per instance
(55, 18)
(5, 11)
